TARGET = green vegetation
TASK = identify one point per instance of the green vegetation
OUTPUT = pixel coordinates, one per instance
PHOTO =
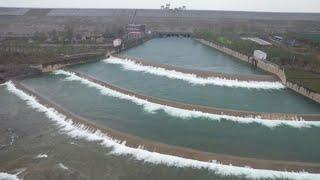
(304, 63)
(306, 79)
(283, 56)
(239, 45)
(313, 38)
(40, 37)
(279, 55)
(70, 49)
(223, 40)
(25, 53)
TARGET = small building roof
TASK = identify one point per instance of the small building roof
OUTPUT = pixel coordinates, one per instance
(257, 40)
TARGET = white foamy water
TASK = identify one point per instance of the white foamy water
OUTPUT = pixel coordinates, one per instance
(183, 113)
(7, 176)
(62, 166)
(40, 156)
(128, 64)
(118, 148)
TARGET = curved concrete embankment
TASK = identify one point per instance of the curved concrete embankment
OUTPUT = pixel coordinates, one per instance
(203, 74)
(70, 60)
(204, 109)
(268, 67)
(135, 142)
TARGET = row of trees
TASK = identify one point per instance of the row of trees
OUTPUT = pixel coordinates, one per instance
(70, 34)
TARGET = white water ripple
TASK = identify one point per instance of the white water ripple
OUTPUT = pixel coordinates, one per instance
(40, 156)
(81, 131)
(183, 113)
(7, 176)
(62, 166)
(128, 64)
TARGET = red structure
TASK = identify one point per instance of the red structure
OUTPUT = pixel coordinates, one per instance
(135, 31)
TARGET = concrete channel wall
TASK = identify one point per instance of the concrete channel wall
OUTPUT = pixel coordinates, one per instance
(303, 91)
(204, 109)
(72, 60)
(199, 73)
(88, 57)
(135, 142)
(268, 67)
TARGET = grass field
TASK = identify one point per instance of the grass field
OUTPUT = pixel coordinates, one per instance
(309, 80)
(293, 61)
(311, 37)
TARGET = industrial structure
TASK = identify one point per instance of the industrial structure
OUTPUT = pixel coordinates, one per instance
(167, 7)
(135, 31)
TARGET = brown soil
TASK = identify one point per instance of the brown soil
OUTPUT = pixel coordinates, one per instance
(11, 71)
(19, 67)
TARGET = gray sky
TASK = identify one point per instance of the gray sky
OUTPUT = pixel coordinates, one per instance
(237, 5)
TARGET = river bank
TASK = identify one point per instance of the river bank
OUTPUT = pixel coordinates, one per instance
(256, 116)
(268, 67)
(25, 66)
(199, 73)
(154, 149)
(136, 142)
(18, 70)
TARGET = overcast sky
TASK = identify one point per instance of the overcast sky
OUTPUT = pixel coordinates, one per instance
(237, 5)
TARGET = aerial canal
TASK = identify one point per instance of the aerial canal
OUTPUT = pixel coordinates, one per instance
(188, 53)
(202, 133)
(263, 145)
(34, 147)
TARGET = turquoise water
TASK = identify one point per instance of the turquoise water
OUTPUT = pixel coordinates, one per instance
(249, 140)
(188, 53)
(284, 100)
(36, 135)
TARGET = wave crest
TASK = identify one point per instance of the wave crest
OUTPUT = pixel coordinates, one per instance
(80, 131)
(183, 113)
(7, 176)
(128, 64)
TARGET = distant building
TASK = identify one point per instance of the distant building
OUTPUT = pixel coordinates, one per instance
(168, 6)
(30, 41)
(117, 42)
(278, 38)
(66, 40)
(48, 40)
(136, 30)
(259, 55)
(85, 36)
(100, 40)
(257, 40)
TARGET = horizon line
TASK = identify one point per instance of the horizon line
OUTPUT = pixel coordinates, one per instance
(223, 10)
